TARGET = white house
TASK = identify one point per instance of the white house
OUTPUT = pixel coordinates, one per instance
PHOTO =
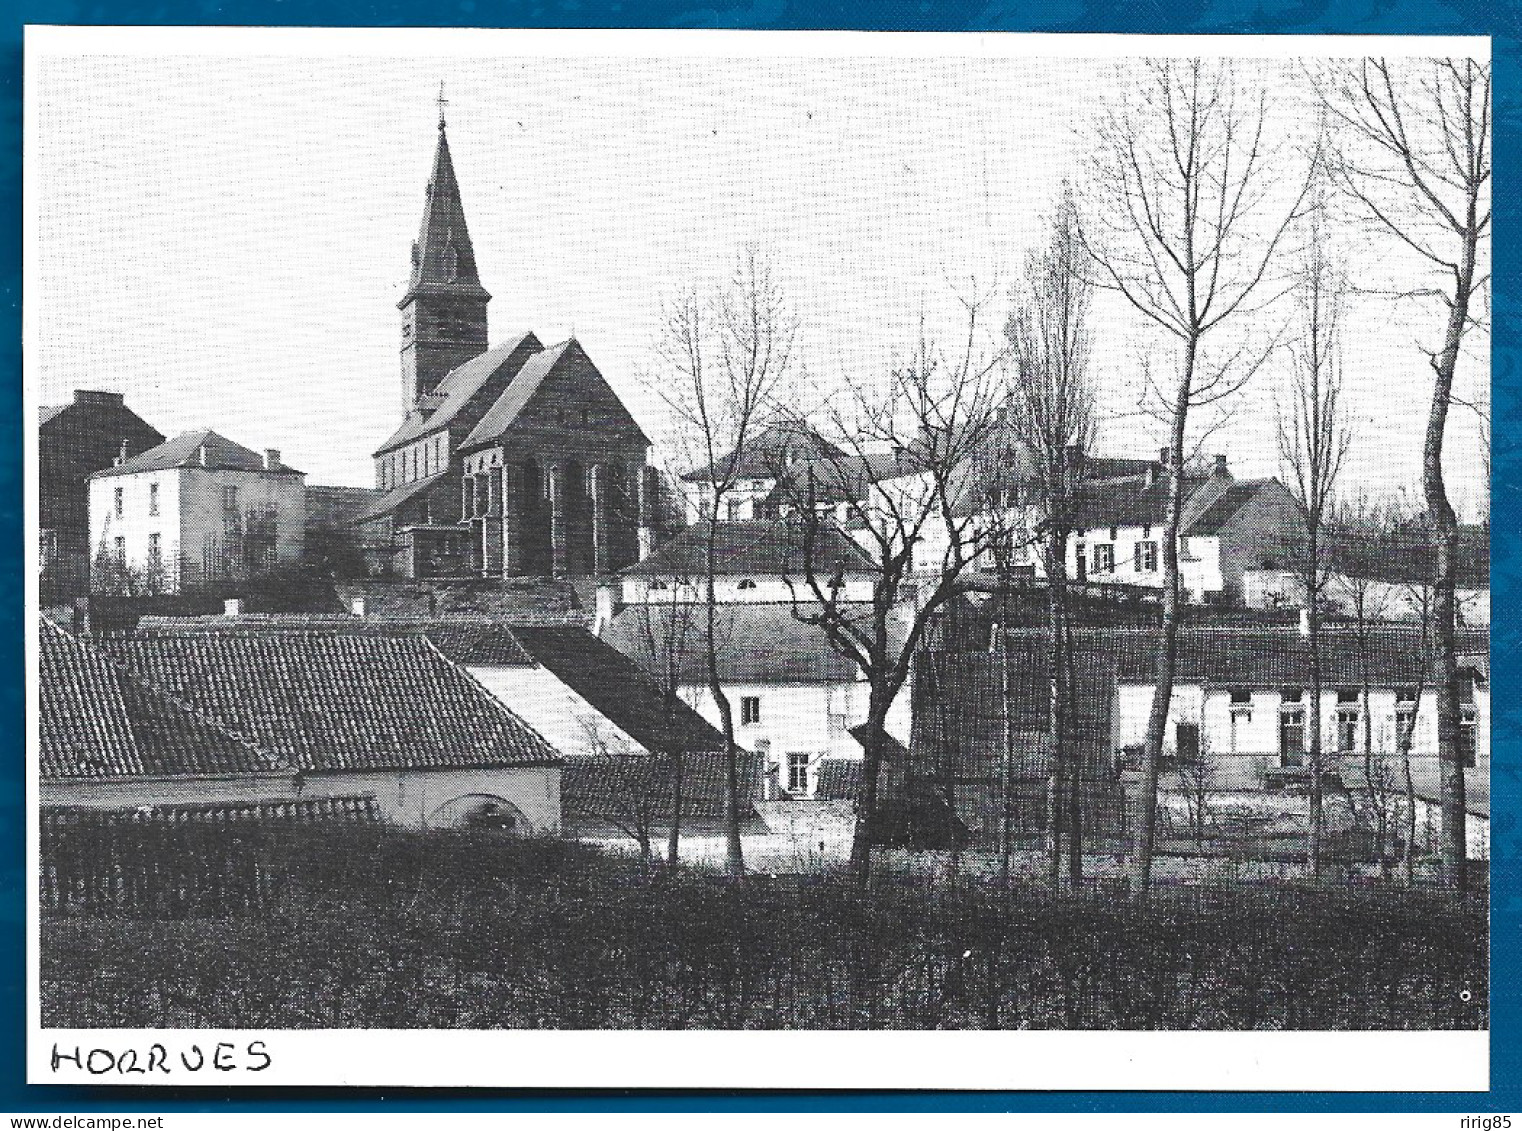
(1241, 705)
(794, 698)
(755, 562)
(193, 510)
(752, 479)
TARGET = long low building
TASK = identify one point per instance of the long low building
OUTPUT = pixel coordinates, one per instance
(228, 719)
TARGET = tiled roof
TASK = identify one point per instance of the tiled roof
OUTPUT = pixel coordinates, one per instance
(184, 450)
(455, 391)
(619, 689)
(609, 788)
(837, 779)
(390, 500)
(357, 810)
(98, 721)
(766, 547)
(762, 644)
(767, 453)
(1273, 657)
(337, 701)
(499, 418)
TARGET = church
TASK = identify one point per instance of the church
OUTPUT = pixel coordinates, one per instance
(511, 460)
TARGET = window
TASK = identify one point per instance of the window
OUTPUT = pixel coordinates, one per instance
(1468, 729)
(153, 550)
(656, 585)
(229, 498)
(1081, 562)
(1114, 533)
(1348, 718)
(1104, 557)
(118, 502)
(1144, 557)
(1186, 742)
(1240, 714)
(153, 498)
(797, 773)
(750, 709)
(121, 551)
(746, 583)
(1405, 714)
(1292, 728)
(732, 510)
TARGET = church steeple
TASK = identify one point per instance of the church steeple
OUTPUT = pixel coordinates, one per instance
(444, 309)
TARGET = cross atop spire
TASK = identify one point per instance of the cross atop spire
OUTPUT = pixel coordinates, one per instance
(442, 102)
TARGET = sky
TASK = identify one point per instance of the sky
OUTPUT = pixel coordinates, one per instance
(223, 236)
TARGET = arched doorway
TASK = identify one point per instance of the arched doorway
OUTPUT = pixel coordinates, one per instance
(483, 811)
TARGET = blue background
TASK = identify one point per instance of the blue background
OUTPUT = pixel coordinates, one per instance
(1502, 20)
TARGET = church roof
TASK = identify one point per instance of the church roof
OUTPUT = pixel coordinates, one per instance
(185, 450)
(459, 387)
(443, 260)
(395, 497)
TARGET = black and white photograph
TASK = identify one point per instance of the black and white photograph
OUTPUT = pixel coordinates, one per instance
(567, 536)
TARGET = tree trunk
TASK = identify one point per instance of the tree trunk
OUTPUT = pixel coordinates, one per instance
(674, 838)
(1167, 648)
(1444, 526)
(734, 856)
(1313, 715)
(866, 803)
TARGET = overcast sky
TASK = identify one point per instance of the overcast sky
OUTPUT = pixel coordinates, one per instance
(224, 239)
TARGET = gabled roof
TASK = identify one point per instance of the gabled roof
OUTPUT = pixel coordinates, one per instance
(1136, 502)
(762, 644)
(98, 721)
(327, 701)
(500, 417)
(390, 500)
(1218, 515)
(768, 453)
(760, 548)
(620, 690)
(185, 450)
(444, 260)
(441, 407)
(47, 412)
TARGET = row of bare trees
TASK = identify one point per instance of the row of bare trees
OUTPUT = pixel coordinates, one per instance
(1202, 219)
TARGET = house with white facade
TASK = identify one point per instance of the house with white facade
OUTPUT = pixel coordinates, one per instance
(1241, 705)
(794, 698)
(198, 509)
(757, 562)
(753, 480)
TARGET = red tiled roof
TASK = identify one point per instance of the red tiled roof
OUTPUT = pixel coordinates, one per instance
(337, 701)
(98, 721)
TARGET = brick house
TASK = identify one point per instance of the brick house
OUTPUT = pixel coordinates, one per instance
(195, 510)
(510, 461)
(74, 440)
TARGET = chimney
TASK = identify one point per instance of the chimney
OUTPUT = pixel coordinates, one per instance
(1220, 466)
(121, 455)
(232, 607)
(1305, 622)
(272, 459)
(357, 606)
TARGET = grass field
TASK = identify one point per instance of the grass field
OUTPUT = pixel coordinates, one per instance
(365, 927)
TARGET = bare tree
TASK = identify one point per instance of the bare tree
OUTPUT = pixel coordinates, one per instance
(727, 357)
(1054, 416)
(907, 480)
(1184, 219)
(1314, 437)
(1413, 154)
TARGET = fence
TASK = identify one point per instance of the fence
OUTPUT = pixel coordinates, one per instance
(177, 862)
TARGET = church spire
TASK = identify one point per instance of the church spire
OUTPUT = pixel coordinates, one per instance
(444, 309)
